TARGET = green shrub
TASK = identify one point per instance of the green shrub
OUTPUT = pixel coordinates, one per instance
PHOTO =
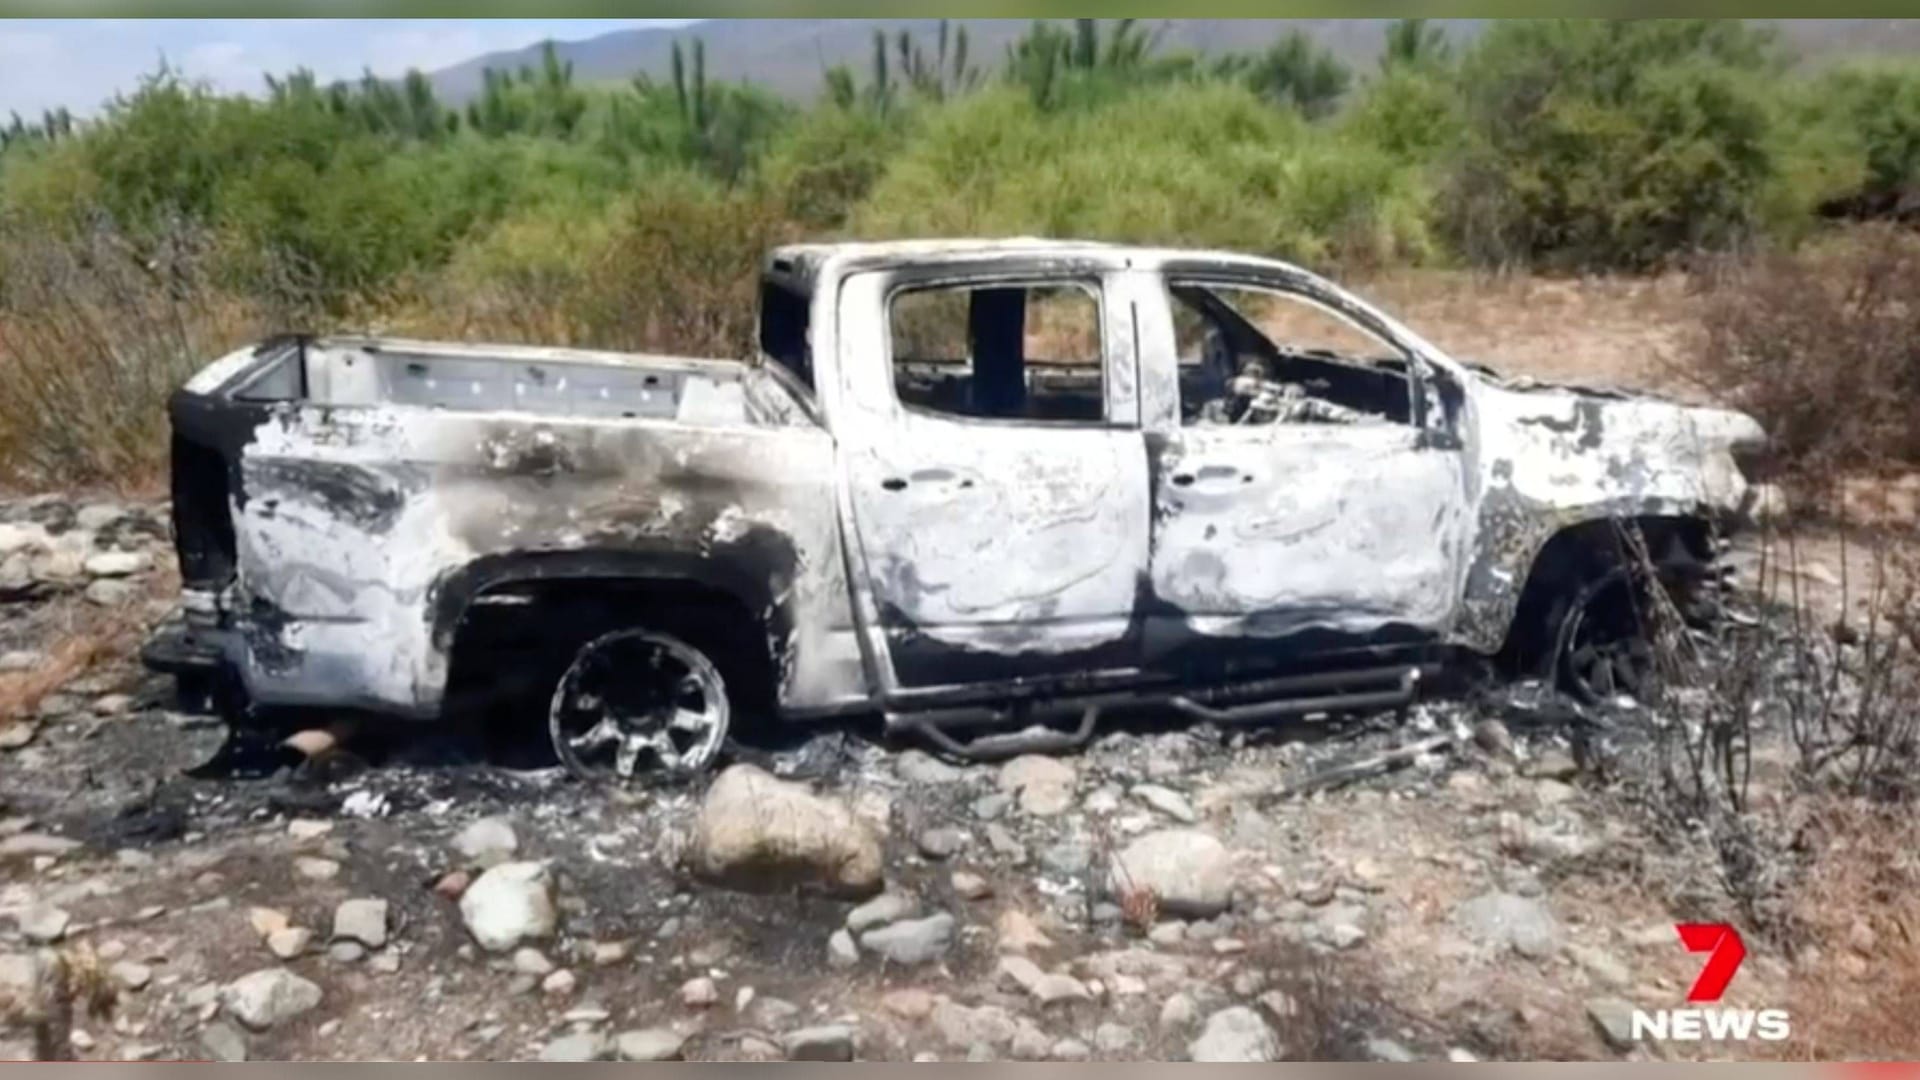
(1197, 164)
(1612, 144)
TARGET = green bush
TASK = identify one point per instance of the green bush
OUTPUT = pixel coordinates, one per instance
(1612, 144)
(1196, 164)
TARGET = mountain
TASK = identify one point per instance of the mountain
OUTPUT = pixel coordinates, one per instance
(788, 56)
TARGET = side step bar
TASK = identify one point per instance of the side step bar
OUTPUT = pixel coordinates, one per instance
(1393, 687)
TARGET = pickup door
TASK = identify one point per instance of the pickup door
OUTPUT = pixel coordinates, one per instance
(1341, 526)
(995, 472)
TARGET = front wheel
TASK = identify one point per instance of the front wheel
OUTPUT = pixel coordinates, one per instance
(638, 703)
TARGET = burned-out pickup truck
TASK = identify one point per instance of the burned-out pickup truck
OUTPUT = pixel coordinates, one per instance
(988, 490)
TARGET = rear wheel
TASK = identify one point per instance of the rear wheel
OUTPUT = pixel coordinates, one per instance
(636, 704)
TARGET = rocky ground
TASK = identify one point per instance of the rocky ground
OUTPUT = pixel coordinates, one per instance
(1168, 893)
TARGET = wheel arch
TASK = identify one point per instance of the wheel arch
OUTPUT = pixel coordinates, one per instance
(1577, 554)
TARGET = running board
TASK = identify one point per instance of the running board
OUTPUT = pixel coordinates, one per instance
(1393, 687)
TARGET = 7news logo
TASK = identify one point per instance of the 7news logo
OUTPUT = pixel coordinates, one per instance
(1725, 951)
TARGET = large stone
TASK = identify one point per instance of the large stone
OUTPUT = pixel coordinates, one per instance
(883, 909)
(1506, 920)
(489, 841)
(1043, 785)
(1235, 1034)
(920, 767)
(649, 1044)
(363, 920)
(914, 941)
(828, 1042)
(111, 564)
(963, 1027)
(1188, 871)
(584, 1046)
(761, 834)
(1612, 1017)
(508, 904)
(268, 997)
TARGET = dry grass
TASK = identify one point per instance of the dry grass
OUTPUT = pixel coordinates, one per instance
(93, 338)
(1623, 331)
(84, 636)
(1858, 983)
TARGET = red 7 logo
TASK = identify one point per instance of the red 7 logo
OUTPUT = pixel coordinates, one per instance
(1723, 942)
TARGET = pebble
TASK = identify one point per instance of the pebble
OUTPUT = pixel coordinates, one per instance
(1167, 801)
(912, 941)
(581, 1046)
(970, 886)
(559, 984)
(289, 941)
(842, 953)
(698, 993)
(362, 919)
(941, 843)
(44, 924)
(649, 1044)
(316, 868)
(531, 961)
(886, 908)
(828, 1042)
(131, 975)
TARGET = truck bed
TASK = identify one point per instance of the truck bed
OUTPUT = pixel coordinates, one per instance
(579, 383)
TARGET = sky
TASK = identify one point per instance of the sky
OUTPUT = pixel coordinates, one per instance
(81, 63)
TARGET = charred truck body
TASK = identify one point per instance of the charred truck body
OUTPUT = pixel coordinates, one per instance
(966, 484)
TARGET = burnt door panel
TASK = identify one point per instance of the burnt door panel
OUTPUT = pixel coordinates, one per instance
(999, 552)
(1318, 535)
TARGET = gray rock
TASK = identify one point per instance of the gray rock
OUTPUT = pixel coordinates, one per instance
(94, 517)
(117, 564)
(17, 733)
(131, 975)
(508, 904)
(649, 1044)
(268, 997)
(289, 941)
(223, 1042)
(989, 807)
(17, 660)
(44, 924)
(885, 908)
(941, 843)
(1069, 1050)
(528, 960)
(1178, 1013)
(1383, 1049)
(362, 919)
(487, 842)
(964, 1028)
(1066, 858)
(1503, 919)
(583, 1046)
(346, 952)
(842, 953)
(1005, 844)
(1029, 1042)
(1612, 1017)
(758, 833)
(1113, 1038)
(970, 886)
(111, 592)
(914, 941)
(1043, 785)
(1167, 801)
(829, 1042)
(1189, 872)
(1236, 1033)
(1605, 968)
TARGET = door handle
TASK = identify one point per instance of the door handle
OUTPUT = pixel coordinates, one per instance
(894, 483)
(1214, 474)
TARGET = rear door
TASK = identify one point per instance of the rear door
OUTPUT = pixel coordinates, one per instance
(996, 476)
(1340, 521)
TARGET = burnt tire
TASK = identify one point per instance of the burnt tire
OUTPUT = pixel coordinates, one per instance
(637, 703)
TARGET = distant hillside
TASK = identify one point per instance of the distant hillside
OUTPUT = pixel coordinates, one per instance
(789, 55)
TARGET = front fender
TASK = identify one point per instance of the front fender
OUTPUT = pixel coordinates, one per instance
(1550, 460)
